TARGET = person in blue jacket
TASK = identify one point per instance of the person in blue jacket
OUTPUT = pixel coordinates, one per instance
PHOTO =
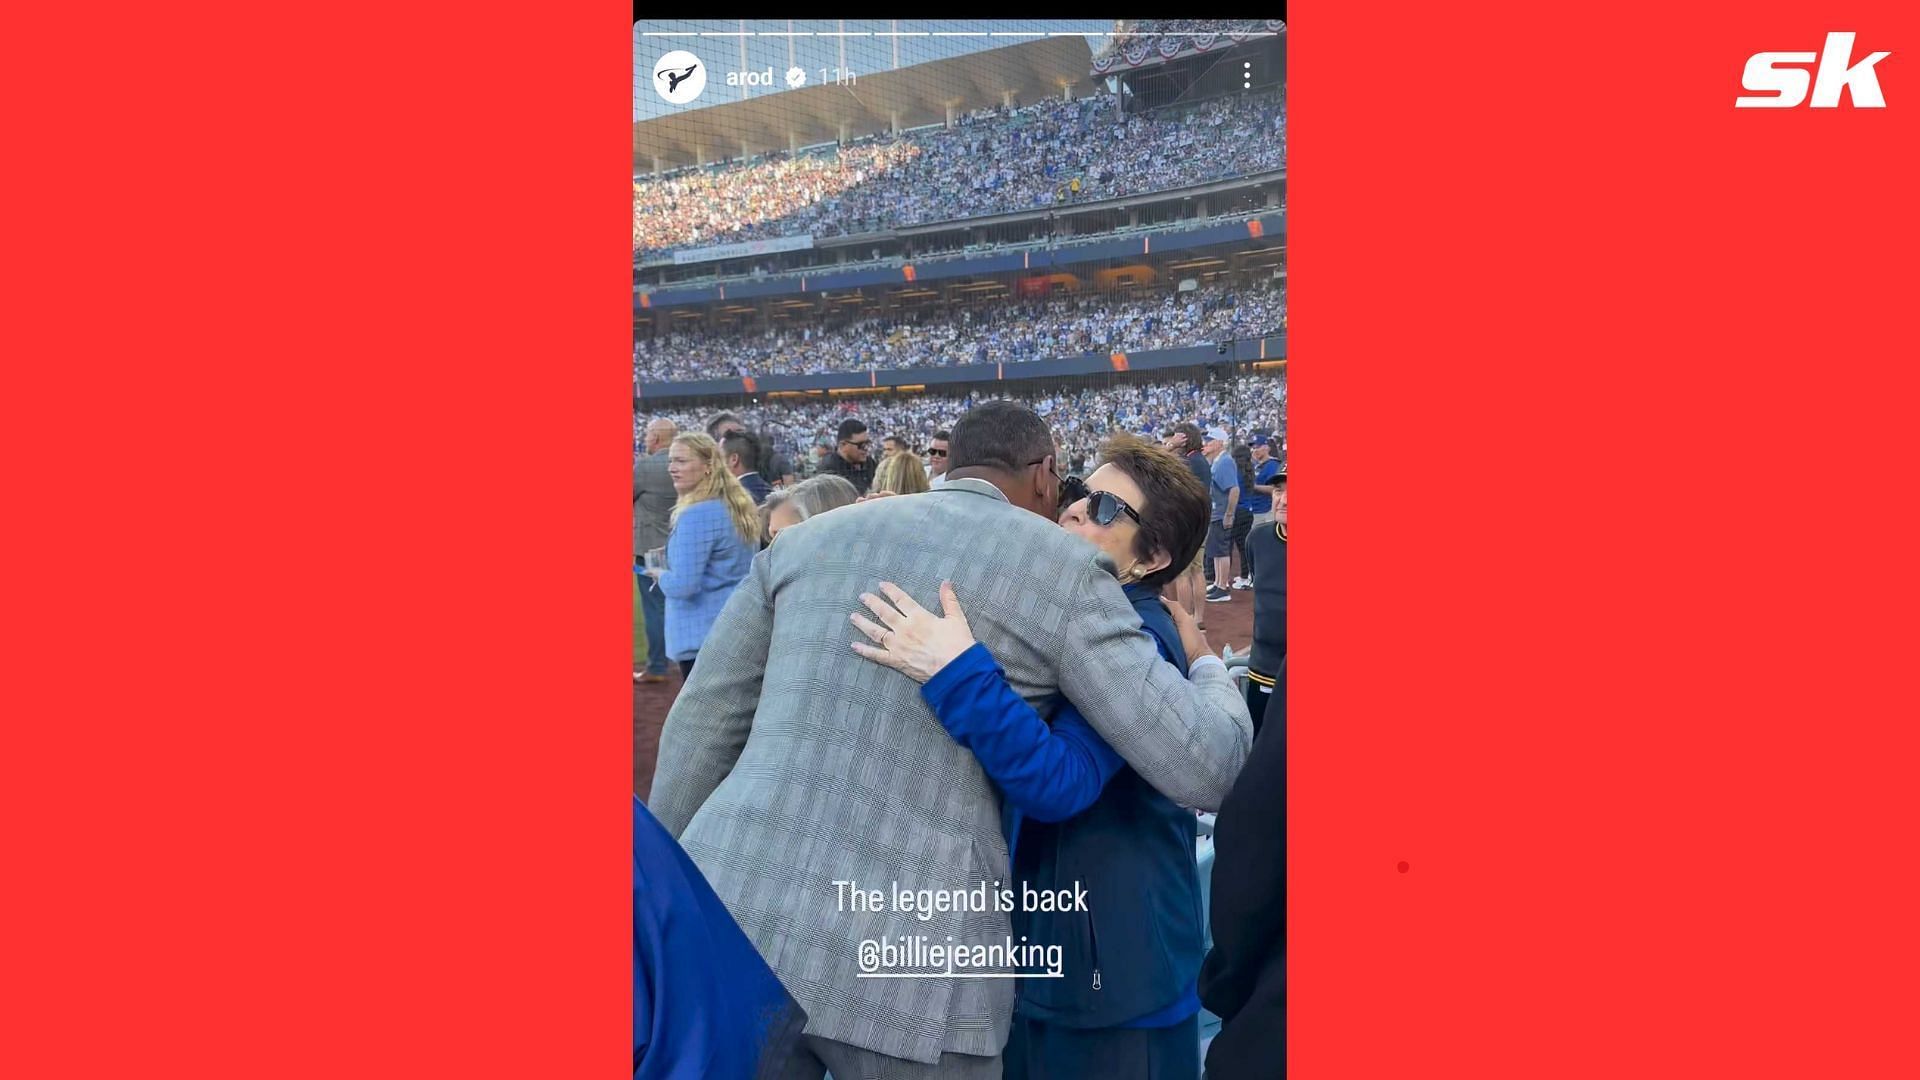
(1126, 1005)
(705, 1005)
(715, 530)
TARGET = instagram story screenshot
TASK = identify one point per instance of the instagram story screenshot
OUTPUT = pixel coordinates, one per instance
(959, 547)
(949, 365)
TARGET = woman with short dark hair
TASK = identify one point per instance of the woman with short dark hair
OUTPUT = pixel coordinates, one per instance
(1082, 817)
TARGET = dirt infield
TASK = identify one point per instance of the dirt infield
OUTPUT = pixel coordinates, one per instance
(1228, 623)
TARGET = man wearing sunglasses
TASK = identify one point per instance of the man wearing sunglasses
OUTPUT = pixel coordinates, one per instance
(937, 458)
(852, 458)
(789, 762)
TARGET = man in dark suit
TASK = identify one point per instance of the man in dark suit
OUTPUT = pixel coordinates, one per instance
(852, 459)
(1267, 547)
(1244, 978)
(741, 451)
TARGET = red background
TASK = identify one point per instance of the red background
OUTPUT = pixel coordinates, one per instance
(316, 436)
(1603, 400)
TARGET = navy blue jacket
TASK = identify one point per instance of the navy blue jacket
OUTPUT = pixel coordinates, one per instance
(757, 487)
(1131, 959)
(705, 1005)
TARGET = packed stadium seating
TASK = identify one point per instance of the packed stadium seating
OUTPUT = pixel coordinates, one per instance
(1002, 332)
(996, 161)
(1126, 31)
(1080, 417)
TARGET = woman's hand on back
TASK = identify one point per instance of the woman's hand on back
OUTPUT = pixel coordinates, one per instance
(910, 639)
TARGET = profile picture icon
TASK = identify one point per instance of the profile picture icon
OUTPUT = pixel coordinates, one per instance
(679, 76)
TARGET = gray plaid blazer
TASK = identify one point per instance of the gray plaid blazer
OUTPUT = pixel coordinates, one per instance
(788, 762)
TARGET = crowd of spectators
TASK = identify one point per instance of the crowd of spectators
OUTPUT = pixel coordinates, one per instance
(1079, 417)
(1003, 332)
(712, 205)
(1126, 30)
(995, 161)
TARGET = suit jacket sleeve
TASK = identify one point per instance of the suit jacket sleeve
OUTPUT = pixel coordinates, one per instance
(1188, 738)
(708, 724)
(646, 478)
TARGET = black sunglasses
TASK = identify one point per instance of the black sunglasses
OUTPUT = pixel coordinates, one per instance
(936, 452)
(1104, 507)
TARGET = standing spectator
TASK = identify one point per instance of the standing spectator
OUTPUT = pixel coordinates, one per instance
(894, 444)
(1185, 439)
(1224, 487)
(765, 461)
(742, 451)
(1242, 511)
(807, 499)
(937, 458)
(1244, 978)
(782, 474)
(851, 458)
(715, 531)
(1265, 472)
(653, 499)
(901, 474)
(723, 425)
(1268, 546)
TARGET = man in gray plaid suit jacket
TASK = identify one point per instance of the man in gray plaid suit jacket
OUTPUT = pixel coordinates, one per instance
(789, 763)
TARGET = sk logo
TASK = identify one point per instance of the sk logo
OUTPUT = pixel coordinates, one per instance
(1788, 85)
(679, 76)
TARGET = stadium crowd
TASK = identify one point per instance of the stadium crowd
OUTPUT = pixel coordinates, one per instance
(1125, 31)
(999, 333)
(1080, 418)
(994, 161)
(1078, 719)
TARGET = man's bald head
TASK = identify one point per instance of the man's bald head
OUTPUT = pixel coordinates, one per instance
(659, 434)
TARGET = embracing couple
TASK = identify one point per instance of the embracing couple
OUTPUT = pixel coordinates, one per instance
(795, 757)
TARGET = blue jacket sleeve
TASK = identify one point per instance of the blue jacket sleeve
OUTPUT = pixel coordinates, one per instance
(689, 546)
(1049, 774)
